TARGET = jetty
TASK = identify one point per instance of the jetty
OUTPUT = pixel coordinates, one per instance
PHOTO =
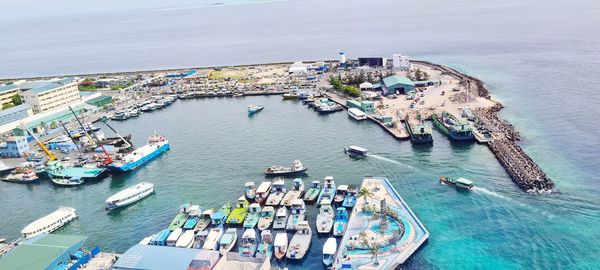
(382, 232)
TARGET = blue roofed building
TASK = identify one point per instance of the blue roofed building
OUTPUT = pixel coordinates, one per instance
(44, 252)
(48, 95)
(393, 84)
(148, 257)
(14, 147)
(15, 114)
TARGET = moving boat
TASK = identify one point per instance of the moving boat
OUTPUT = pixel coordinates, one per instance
(262, 192)
(357, 114)
(49, 223)
(458, 182)
(129, 195)
(267, 215)
(295, 169)
(156, 146)
(252, 109)
(204, 220)
(300, 242)
(253, 216)
(281, 218)
(220, 216)
(180, 218)
(278, 190)
(174, 236)
(238, 214)
(265, 248)
(22, 175)
(280, 246)
(328, 190)
(455, 129)
(295, 193)
(212, 240)
(325, 219)
(250, 190)
(340, 194)
(341, 220)
(297, 214)
(313, 192)
(249, 243)
(356, 151)
(419, 132)
(350, 199)
(186, 240)
(329, 249)
(228, 240)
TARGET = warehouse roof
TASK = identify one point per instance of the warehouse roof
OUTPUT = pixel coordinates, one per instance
(14, 109)
(393, 80)
(98, 99)
(8, 87)
(155, 257)
(39, 252)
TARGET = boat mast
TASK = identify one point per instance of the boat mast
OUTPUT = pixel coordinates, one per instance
(108, 159)
(69, 134)
(123, 139)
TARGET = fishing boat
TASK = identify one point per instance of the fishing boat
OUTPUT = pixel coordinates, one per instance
(49, 223)
(329, 108)
(350, 199)
(291, 95)
(180, 218)
(262, 192)
(265, 248)
(129, 195)
(325, 219)
(253, 216)
(281, 217)
(295, 193)
(228, 240)
(329, 249)
(460, 182)
(186, 240)
(250, 190)
(73, 181)
(220, 216)
(249, 243)
(356, 151)
(200, 239)
(191, 222)
(300, 242)
(161, 238)
(419, 132)
(278, 190)
(341, 220)
(455, 129)
(156, 145)
(252, 109)
(297, 215)
(238, 214)
(313, 191)
(174, 236)
(22, 175)
(340, 194)
(120, 116)
(212, 240)
(280, 245)
(58, 171)
(328, 190)
(357, 114)
(296, 169)
(204, 220)
(267, 215)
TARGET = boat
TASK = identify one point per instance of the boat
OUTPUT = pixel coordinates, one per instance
(295, 193)
(340, 194)
(357, 114)
(329, 108)
(161, 238)
(49, 223)
(313, 192)
(278, 190)
(147, 240)
(281, 217)
(5, 169)
(262, 192)
(265, 248)
(356, 151)
(328, 190)
(116, 141)
(238, 214)
(250, 190)
(228, 240)
(220, 216)
(419, 132)
(22, 175)
(329, 249)
(212, 240)
(457, 182)
(253, 216)
(204, 220)
(129, 195)
(300, 242)
(267, 215)
(174, 236)
(200, 239)
(120, 116)
(455, 129)
(191, 222)
(280, 245)
(249, 243)
(73, 181)
(179, 219)
(57, 170)
(297, 215)
(350, 199)
(291, 95)
(341, 220)
(156, 145)
(252, 109)
(324, 220)
(296, 169)
(186, 240)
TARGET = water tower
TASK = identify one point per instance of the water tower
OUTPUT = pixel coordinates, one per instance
(342, 59)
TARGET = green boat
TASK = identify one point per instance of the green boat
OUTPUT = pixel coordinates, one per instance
(455, 129)
(313, 192)
(58, 170)
(180, 218)
(253, 216)
(220, 216)
(238, 214)
(457, 182)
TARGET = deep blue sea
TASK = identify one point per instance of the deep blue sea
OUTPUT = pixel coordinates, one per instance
(540, 58)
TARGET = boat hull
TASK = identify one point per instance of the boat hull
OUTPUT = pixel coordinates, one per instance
(418, 139)
(451, 135)
(287, 173)
(134, 165)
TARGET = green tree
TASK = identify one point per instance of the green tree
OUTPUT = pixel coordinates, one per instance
(16, 100)
(374, 249)
(366, 194)
(53, 125)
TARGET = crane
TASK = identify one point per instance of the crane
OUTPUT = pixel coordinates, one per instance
(51, 156)
(108, 159)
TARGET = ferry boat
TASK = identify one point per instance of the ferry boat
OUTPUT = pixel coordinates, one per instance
(280, 245)
(249, 243)
(252, 109)
(265, 248)
(278, 190)
(300, 242)
(329, 249)
(250, 190)
(357, 114)
(58, 171)
(129, 195)
(267, 214)
(456, 130)
(22, 175)
(156, 146)
(296, 168)
(238, 214)
(281, 218)
(458, 182)
(341, 220)
(419, 133)
(228, 240)
(313, 192)
(49, 223)
(325, 219)
(328, 189)
(356, 151)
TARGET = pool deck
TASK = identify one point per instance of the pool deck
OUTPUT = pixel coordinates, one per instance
(394, 247)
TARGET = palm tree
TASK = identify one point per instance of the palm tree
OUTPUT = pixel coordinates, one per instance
(374, 248)
(365, 193)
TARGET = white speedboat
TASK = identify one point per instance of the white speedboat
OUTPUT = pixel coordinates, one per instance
(280, 218)
(129, 195)
(340, 194)
(250, 190)
(280, 245)
(49, 223)
(228, 240)
(300, 242)
(329, 249)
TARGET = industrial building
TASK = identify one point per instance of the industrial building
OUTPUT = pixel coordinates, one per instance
(7, 92)
(394, 84)
(14, 147)
(46, 252)
(47, 95)
(147, 257)
(100, 101)
(374, 62)
(366, 106)
(15, 113)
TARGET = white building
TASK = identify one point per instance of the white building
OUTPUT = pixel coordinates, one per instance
(400, 62)
(298, 68)
(48, 95)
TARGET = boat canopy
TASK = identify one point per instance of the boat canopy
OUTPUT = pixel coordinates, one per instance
(330, 246)
(281, 240)
(264, 187)
(357, 149)
(464, 181)
(342, 188)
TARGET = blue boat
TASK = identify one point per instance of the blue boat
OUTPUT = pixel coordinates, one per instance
(161, 238)
(155, 147)
(341, 220)
(252, 109)
(350, 199)
(328, 190)
(190, 223)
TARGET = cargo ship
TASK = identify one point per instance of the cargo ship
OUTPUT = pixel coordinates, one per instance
(419, 133)
(455, 129)
(156, 145)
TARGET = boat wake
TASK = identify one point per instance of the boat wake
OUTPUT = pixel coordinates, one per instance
(511, 200)
(389, 160)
